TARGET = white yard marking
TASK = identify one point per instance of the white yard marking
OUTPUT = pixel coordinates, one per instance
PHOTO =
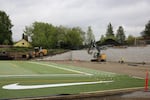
(16, 86)
(67, 69)
(42, 75)
(137, 77)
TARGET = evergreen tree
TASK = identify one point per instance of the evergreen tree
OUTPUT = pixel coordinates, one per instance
(120, 36)
(5, 29)
(146, 32)
(109, 32)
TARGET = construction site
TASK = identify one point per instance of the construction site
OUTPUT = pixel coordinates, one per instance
(131, 61)
(135, 63)
(85, 71)
(74, 50)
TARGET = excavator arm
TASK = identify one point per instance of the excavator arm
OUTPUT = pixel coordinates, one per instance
(92, 46)
(97, 54)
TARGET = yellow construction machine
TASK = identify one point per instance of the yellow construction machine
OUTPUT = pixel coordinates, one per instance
(97, 54)
(40, 52)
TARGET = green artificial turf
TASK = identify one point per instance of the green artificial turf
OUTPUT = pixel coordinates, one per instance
(13, 68)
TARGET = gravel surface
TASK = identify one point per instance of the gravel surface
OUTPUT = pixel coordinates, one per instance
(130, 54)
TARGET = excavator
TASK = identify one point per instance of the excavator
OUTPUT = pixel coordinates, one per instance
(98, 56)
(39, 52)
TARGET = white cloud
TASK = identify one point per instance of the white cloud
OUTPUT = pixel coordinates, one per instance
(132, 14)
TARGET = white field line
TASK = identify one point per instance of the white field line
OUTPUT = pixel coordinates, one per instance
(137, 77)
(42, 75)
(16, 86)
(62, 68)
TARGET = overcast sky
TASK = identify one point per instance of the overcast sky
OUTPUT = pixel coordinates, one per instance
(131, 14)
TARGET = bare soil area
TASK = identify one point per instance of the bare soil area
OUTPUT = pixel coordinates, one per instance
(135, 70)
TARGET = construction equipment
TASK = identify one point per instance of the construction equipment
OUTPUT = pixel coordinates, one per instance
(39, 52)
(97, 55)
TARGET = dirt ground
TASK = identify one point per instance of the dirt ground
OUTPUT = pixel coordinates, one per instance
(132, 69)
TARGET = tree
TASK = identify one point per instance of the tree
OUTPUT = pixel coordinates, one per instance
(42, 34)
(6, 42)
(90, 36)
(61, 37)
(73, 38)
(28, 31)
(82, 34)
(5, 29)
(102, 39)
(109, 32)
(120, 36)
(49, 36)
(146, 32)
(130, 40)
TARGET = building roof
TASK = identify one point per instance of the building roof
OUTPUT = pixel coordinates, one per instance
(109, 42)
(22, 43)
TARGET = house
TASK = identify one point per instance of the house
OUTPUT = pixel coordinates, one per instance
(22, 43)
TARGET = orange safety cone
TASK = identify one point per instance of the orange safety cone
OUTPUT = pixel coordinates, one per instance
(146, 81)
